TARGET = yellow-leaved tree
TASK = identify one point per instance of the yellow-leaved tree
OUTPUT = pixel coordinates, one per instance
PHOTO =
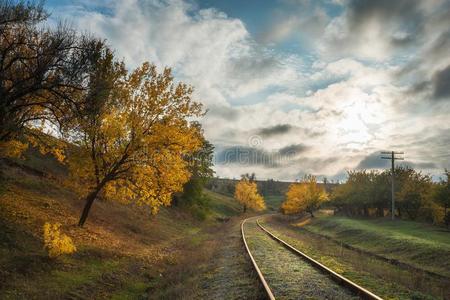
(132, 135)
(247, 195)
(305, 195)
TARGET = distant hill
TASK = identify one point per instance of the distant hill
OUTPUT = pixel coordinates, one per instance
(268, 187)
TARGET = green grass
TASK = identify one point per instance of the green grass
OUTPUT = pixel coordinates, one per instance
(222, 206)
(273, 202)
(60, 281)
(379, 276)
(133, 289)
(420, 245)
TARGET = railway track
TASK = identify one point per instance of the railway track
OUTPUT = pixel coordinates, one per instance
(286, 272)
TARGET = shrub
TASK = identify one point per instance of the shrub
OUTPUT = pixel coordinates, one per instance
(57, 243)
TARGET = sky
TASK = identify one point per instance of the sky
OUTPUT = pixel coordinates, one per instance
(296, 87)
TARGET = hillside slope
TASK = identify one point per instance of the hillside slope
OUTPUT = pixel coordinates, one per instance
(421, 245)
(123, 251)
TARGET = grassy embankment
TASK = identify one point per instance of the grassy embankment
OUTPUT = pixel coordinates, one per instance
(122, 252)
(417, 244)
(273, 202)
(391, 259)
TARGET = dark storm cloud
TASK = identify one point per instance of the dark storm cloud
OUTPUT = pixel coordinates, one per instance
(404, 22)
(421, 165)
(246, 156)
(363, 10)
(419, 87)
(274, 130)
(402, 41)
(405, 16)
(441, 84)
(255, 156)
(439, 47)
(374, 161)
(437, 85)
(293, 149)
(300, 133)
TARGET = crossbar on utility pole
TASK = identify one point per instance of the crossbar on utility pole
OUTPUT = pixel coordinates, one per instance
(393, 158)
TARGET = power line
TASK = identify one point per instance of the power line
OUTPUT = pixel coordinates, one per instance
(393, 158)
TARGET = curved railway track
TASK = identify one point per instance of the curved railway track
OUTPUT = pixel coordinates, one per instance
(342, 282)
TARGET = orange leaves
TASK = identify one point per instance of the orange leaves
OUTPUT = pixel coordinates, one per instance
(247, 194)
(45, 144)
(13, 148)
(295, 199)
(306, 195)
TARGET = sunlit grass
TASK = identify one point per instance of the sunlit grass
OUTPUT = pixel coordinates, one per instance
(121, 251)
(418, 244)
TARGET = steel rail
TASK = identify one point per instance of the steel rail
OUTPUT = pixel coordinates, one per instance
(255, 265)
(359, 290)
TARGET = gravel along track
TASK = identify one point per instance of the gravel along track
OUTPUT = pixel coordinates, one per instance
(289, 276)
(231, 275)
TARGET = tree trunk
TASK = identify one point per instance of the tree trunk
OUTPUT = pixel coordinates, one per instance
(245, 209)
(311, 213)
(366, 211)
(380, 211)
(87, 207)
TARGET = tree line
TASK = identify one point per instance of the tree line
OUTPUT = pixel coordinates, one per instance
(417, 197)
(368, 194)
(129, 135)
(266, 187)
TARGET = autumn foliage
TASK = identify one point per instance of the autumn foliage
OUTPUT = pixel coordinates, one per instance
(304, 196)
(134, 137)
(124, 135)
(246, 193)
(55, 242)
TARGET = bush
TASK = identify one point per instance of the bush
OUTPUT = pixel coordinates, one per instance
(55, 242)
(447, 219)
(199, 212)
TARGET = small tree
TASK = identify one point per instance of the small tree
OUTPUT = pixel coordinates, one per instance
(306, 195)
(246, 193)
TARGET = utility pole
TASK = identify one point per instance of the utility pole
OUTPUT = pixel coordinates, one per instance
(393, 158)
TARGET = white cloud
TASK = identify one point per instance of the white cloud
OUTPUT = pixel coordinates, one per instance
(342, 108)
(205, 47)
